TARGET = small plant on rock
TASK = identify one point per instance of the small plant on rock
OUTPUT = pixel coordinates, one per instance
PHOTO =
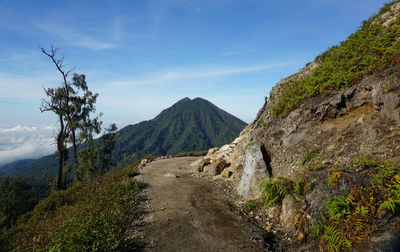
(364, 162)
(318, 228)
(334, 178)
(249, 206)
(263, 124)
(336, 239)
(250, 144)
(313, 160)
(273, 192)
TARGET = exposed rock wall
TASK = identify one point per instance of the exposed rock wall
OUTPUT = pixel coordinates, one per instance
(362, 119)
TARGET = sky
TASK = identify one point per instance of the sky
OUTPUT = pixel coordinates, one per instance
(142, 56)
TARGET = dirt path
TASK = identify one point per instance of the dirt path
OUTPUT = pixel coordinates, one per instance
(186, 213)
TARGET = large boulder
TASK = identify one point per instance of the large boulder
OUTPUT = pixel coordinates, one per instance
(255, 170)
(215, 168)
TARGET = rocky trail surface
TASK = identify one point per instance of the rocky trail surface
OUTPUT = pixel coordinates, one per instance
(186, 213)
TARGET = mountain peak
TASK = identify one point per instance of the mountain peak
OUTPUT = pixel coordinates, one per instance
(188, 125)
(186, 99)
(201, 100)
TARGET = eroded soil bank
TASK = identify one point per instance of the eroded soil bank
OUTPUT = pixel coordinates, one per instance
(186, 213)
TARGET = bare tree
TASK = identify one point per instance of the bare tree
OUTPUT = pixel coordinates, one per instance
(72, 107)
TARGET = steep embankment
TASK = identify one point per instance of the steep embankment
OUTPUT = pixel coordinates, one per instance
(327, 144)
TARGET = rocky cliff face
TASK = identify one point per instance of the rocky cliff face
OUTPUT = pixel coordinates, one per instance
(360, 120)
(335, 146)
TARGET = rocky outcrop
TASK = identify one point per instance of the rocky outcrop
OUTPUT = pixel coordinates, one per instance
(363, 119)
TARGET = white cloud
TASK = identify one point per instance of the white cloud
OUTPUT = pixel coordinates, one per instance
(228, 54)
(18, 128)
(20, 152)
(183, 74)
(26, 141)
(26, 87)
(76, 38)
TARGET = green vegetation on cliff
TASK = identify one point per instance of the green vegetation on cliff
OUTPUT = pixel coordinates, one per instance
(372, 49)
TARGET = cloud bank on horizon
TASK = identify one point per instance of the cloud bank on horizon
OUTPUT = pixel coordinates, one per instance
(22, 142)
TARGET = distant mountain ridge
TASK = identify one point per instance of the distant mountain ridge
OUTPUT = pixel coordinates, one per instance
(188, 125)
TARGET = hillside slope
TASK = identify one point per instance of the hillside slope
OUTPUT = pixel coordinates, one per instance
(90, 216)
(188, 125)
(323, 153)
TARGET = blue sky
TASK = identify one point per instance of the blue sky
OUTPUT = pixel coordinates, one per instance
(142, 56)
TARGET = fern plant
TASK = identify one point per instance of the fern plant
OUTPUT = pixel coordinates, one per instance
(336, 239)
(298, 187)
(391, 181)
(317, 228)
(273, 192)
(390, 204)
(359, 218)
(364, 162)
(337, 207)
(312, 154)
(312, 160)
